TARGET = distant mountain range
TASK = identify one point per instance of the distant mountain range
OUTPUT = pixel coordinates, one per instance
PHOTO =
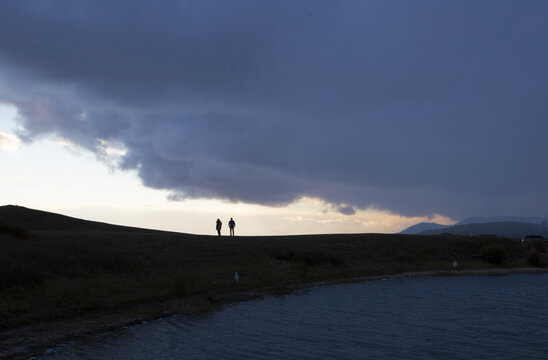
(507, 226)
(483, 219)
(423, 226)
(509, 229)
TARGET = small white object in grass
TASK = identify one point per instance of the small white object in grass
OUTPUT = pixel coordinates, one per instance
(455, 264)
(237, 277)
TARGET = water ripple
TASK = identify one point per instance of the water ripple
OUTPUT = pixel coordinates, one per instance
(431, 318)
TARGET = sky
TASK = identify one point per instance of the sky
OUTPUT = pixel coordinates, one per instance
(291, 116)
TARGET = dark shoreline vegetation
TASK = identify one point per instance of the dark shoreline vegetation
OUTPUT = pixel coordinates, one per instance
(52, 276)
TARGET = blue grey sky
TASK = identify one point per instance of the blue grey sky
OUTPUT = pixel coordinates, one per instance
(414, 107)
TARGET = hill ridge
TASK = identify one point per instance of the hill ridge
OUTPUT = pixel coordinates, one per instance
(39, 220)
(510, 229)
(422, 226)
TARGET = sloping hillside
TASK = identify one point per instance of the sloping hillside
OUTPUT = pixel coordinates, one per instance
(36, 220)
(423, 226)
(509, 229)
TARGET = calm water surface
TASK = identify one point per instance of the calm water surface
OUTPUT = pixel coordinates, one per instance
(477, 317)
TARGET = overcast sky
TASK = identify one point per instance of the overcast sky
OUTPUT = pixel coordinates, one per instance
(412, 107)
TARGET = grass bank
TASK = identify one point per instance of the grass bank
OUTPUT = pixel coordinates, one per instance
(48, 276)
(51, 275)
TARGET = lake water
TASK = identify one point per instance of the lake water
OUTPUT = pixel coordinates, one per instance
(476, 317)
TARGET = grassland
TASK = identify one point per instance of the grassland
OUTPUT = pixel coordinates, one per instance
(51, 275)
(55, 276)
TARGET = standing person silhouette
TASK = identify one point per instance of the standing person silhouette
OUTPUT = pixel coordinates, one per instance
(231, 225)
(218, 227)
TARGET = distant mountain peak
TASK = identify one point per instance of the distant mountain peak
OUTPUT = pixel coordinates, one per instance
(431, 227)
(423, 226)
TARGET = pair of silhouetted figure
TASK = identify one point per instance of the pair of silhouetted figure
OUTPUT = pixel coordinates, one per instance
(231, 225)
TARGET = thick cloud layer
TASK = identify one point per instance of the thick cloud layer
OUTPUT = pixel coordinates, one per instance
(416, 107)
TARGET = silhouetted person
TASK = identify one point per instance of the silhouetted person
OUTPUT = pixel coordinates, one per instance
(231, 225)
(218, 227)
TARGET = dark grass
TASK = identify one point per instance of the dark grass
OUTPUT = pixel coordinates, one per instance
(14, 231)
(37, 220)
(54, 275)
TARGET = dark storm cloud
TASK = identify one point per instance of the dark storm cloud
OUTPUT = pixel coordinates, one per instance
(416, 107)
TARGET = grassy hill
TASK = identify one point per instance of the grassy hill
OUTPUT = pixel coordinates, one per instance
(37, 220)
(63, 269)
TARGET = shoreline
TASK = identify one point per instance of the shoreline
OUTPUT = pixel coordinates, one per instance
(35, 340)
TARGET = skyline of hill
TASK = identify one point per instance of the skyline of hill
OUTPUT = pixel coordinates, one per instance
(38, 220)
(427, 226)
(423, 226)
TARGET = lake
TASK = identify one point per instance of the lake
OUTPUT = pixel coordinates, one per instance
(472, 317)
